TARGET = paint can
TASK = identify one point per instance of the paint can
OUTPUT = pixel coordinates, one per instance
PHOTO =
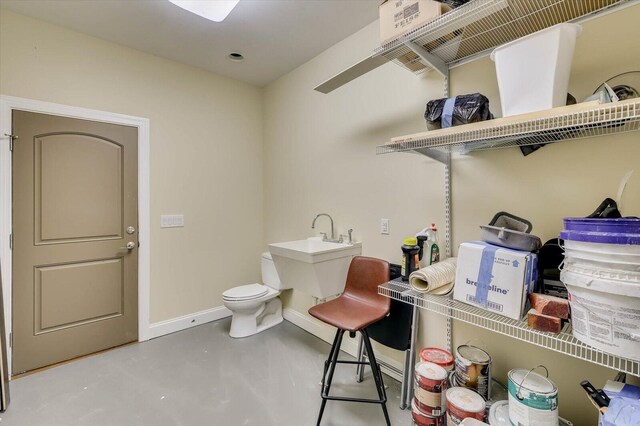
(463, 403)
(429, 386)
(437, 356)
(533, 398)
(473, 369)
(421, 418)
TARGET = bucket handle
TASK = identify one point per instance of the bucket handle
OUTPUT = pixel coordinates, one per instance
(525, 378)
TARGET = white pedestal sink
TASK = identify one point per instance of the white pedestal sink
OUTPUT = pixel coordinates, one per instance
(313, 266)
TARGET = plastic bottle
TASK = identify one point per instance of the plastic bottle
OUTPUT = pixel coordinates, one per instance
(410, 257)
(433, 246)
(422, 239)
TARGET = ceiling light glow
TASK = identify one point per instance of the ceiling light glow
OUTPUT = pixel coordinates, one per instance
(213, 10)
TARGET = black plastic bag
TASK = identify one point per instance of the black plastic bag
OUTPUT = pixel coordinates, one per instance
(466, 109)
(454, 3)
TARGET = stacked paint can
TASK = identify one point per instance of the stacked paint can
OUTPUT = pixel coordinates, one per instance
(428, 404)
(437, 356)
(463, 403)
(533, 399)
(602, 274)
(473, 369)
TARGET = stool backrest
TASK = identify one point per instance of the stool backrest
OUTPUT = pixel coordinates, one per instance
(363, 278)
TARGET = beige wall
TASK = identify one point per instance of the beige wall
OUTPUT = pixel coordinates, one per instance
(320, 157)
(206, 150)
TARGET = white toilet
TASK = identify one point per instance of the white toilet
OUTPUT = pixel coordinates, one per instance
(255, 307)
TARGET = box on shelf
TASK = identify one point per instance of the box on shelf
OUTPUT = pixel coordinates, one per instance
(494, 278)
(400, 16)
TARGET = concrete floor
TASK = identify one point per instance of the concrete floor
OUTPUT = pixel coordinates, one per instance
(200, 376)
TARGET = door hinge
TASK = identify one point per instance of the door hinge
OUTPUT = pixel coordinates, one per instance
(10, 241)
(10, 340)
(11, 139)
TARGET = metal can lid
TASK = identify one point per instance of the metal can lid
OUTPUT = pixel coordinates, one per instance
(465, 399)
(531, 381)
(473, 354)
(431, 371)
(437, 356)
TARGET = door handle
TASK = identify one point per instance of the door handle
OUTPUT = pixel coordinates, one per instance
(130, 246)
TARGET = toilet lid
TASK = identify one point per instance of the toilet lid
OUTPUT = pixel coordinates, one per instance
(245, 292)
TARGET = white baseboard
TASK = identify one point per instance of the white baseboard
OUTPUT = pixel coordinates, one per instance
(349, 345)
(187, 321)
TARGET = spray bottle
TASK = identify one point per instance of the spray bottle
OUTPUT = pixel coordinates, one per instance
(432, 250)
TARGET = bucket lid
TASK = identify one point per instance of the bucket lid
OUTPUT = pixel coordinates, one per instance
(531, 381)
(431, 371)
(601, 237)
(623, 225)
(437, 356)
(465, 399)
(499, 414)
(473, 354)
(245, 292)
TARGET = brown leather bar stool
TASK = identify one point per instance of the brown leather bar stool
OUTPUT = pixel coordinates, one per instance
(357, 307)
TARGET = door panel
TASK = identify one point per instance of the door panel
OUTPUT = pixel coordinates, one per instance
(68, 170)
(97, 290)
(74, 282)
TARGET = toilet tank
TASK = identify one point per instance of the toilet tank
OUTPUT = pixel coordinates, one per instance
(269, 273)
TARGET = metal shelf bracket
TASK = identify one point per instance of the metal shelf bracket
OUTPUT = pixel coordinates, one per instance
(432, 60)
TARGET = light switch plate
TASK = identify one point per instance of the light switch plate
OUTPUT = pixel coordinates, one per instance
(384, 226)
(171, 220)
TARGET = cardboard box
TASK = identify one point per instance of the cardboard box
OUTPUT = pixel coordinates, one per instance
(400, 16)
(494, 278)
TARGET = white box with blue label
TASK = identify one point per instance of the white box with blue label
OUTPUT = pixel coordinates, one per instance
(495, 278)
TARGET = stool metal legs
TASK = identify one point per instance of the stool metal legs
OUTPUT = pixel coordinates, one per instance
(406, 388)
(329, 369)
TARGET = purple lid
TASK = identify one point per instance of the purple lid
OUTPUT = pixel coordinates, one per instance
(618, 226)
(601, 237)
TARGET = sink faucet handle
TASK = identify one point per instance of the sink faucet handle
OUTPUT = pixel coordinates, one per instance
(344, 236)
(324, 236)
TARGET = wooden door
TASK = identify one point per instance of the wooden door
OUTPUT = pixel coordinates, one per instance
(75, 200)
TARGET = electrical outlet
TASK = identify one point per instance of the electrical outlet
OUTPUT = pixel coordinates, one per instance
(384, 226)
(171, 221)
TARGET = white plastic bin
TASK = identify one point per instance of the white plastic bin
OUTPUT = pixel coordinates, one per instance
(533, 71)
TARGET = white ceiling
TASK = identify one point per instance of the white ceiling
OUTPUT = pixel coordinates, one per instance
(275, 36)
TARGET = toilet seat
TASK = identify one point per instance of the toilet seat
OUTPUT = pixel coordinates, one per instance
(245, 292)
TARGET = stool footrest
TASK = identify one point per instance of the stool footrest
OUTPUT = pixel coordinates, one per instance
(347, 399)
(353, 362)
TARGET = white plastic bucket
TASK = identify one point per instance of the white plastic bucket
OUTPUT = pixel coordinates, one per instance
(604, 256)
(603, 252)
(603, 270)
(533, 71)
(605, 313)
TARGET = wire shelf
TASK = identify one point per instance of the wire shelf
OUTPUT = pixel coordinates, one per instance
(480, 25)
(560, 124)
(564, 342)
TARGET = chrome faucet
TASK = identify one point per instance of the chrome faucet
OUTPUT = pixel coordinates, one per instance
(313, 225)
